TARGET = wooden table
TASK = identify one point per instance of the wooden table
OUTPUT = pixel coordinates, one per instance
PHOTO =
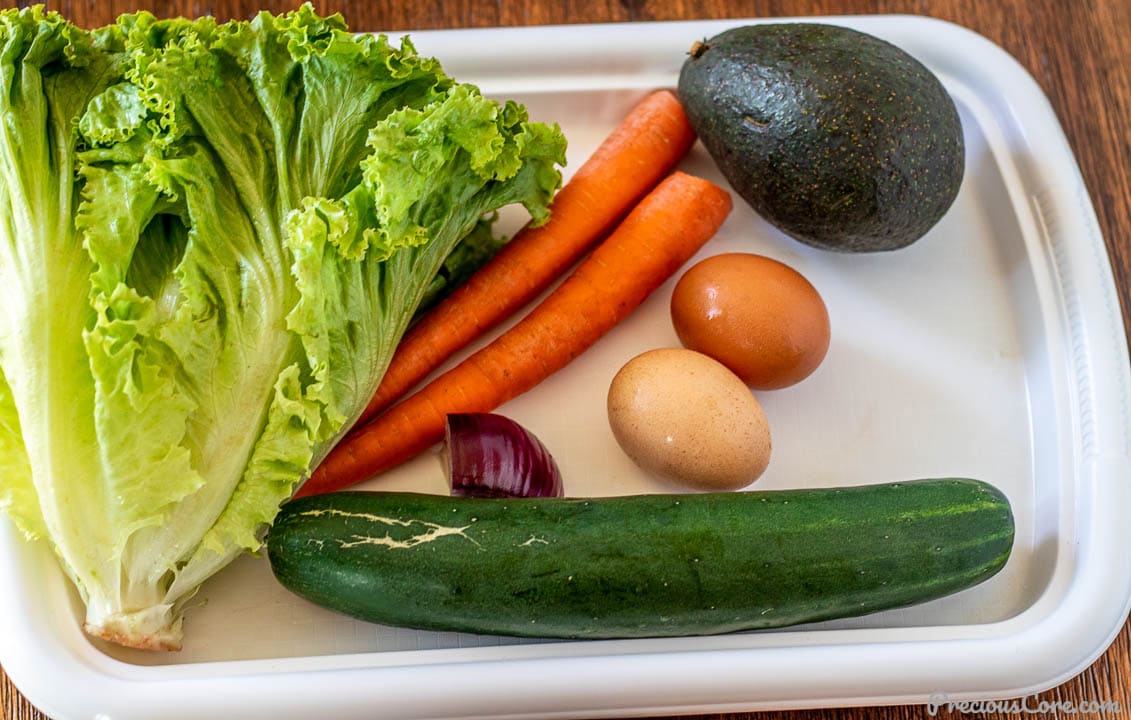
(1079, 52)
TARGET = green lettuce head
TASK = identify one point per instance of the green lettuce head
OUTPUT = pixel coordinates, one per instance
(212, 238)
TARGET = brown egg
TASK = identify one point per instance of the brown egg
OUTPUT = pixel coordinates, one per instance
(759, 317)
(685, 418)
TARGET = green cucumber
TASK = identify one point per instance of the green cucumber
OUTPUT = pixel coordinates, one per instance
(643, 565)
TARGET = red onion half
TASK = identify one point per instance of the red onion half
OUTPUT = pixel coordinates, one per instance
(489, 455)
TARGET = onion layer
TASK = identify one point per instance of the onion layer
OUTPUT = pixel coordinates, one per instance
(489, 455)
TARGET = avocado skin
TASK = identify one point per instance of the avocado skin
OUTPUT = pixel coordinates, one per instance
(841, 140)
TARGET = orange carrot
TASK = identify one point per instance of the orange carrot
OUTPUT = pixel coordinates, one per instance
(668, 226)
(640, 152)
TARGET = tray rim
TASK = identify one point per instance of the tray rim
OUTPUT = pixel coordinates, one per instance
(1102, 434)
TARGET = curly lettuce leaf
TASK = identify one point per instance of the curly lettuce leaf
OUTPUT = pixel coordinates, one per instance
(49, 72)
(212, 237)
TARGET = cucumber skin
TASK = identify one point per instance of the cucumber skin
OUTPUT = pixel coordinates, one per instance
(639, 566)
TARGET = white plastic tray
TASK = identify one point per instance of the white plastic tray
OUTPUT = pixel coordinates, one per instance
(992, 348)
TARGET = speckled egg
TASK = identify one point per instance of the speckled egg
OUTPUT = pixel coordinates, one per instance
(686, 418)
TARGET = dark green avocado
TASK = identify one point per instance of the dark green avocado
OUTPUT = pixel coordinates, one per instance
(839, 139)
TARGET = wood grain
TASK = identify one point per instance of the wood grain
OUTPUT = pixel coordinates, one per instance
(1079, 52)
